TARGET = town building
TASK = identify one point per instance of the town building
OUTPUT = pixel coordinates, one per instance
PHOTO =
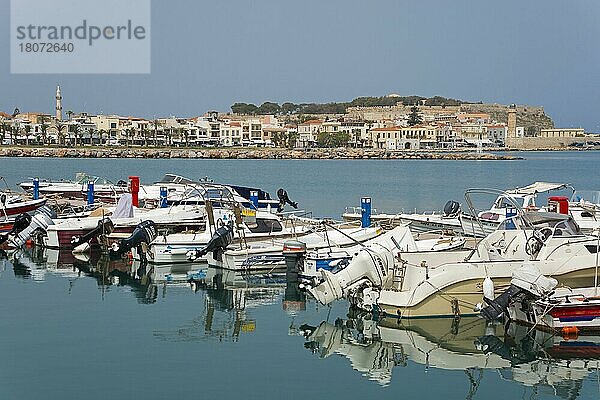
(562, 133)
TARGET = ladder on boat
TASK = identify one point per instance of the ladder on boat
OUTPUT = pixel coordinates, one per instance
(399, 272)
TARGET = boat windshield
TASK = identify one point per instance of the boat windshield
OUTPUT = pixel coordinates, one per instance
(557, 225)
(217, 193)
(524, 201)
(82, 177)
(172, 178)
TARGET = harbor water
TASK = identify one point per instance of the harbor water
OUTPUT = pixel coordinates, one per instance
(95, 329)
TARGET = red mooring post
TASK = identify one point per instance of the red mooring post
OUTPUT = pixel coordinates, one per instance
(134, 187)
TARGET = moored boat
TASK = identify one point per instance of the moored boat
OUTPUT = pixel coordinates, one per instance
(452, 284)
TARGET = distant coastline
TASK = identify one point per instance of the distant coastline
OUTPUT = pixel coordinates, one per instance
(248, 153)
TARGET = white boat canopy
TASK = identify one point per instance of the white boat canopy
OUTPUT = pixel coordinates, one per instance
(538, 187)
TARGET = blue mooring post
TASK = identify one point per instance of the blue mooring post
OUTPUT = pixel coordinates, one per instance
(36, 188)
(365, 212)
(510, 223)
(254, 199)
(90, 193)
(163, 197)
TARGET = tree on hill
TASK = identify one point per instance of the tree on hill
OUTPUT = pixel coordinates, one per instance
(288, 108)
(268, 108)
(414, 118)
(244, 108)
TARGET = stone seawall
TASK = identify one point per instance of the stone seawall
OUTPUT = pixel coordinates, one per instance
(245, 153)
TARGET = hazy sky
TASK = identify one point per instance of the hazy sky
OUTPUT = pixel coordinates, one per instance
(209, 54)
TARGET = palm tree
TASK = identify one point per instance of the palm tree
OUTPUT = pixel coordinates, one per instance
(101, 132)
(129, 134)
(11, 132)
(60, 128)
(43, 127)
(155, 123)
(91, 132)
(144, 133)
(70, 114)
(3, 130)
(76, 132)
(186, 136)
(26, 130)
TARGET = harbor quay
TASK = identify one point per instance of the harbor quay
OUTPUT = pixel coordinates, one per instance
(249, 153)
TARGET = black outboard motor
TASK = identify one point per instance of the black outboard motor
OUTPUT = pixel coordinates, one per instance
(145, 232)
(499, 305)
(219, 241)
(21, 223)
(105, 227)
(451, 208)
(284, 199)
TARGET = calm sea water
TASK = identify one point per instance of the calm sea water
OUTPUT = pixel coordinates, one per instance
(97, 330)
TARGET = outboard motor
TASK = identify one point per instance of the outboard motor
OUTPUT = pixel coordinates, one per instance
(39, 223)
(219, 241)
(284, 199)
(451, 208)
(144, 233)
(21, 223)
(526, 281)
(369, 268)
(105, 227)
(498, 306)
(294, 253)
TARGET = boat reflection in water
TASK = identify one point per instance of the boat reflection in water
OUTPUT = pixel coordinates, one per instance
(534, 359)
(550, 364)
(229, 300)
(36, 263)
(25, 263)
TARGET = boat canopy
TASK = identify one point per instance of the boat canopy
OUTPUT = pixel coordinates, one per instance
(538, 187)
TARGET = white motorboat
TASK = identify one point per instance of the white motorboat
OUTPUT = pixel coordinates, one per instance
(257, 226)
(584, 206)
(181, 190)
(78, 187)
(400, 237)
(12, 205)
(482, 223)
(63, 233)
(453, 283)
(268, 254)
(447, 220)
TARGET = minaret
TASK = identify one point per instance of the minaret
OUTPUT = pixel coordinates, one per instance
(58, 104)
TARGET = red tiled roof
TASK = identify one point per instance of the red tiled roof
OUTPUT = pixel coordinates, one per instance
(312, 122)
(393, 128)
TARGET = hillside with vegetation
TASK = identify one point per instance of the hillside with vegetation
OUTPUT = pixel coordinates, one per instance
(289, 108)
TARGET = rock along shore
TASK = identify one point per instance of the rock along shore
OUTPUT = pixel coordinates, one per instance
(246, 153)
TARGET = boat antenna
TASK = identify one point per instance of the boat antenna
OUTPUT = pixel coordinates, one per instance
(596, 271)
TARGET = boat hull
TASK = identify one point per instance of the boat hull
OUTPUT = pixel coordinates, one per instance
(460, 299)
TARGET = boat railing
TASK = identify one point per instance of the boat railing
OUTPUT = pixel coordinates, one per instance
(357, 210)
